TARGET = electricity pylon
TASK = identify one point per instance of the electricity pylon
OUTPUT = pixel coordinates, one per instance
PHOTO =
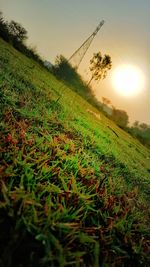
(78, 55)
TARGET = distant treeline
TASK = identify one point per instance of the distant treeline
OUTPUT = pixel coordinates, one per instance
(141, 131)
(13, 33)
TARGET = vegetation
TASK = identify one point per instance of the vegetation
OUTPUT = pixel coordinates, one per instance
(120, 117)
(141, 131)
(16, 32)
(65, 72)
(73, 193)
(13, 33)
(99, 66)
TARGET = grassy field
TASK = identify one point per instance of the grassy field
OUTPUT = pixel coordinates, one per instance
(74, 186)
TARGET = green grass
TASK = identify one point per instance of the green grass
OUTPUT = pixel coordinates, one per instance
(73, 193)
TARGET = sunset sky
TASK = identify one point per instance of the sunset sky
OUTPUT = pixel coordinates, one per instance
(60, 26)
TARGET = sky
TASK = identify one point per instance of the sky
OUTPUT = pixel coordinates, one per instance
(60, 27)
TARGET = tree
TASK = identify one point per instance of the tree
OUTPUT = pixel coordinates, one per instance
(136, 124)
(142, 132)
(17, 32)
(12, 32)
(120, 117)
(99, 66)
(4, 33)
(63, 70)
(144, 126)
(106, 101)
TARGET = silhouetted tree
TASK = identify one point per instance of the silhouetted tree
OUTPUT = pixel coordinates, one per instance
(136, 124)
(17, 32)
(141, 131)
(4, 32)
(62, 68)
(16, 35)
(12, 32)
(99, 66)
(106, 101)
(143, 126)
(120, 117)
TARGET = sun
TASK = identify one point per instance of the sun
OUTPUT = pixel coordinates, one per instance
(128, 80)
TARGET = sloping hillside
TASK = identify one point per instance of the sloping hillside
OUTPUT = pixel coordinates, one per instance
(74, 186)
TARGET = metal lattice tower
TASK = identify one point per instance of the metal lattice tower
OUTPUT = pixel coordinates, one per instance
(78, 55)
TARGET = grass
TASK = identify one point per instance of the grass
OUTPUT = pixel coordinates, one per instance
(73, 193)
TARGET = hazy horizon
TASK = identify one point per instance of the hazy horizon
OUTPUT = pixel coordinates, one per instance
(60, 27)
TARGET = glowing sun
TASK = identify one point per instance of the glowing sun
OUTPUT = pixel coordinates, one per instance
(128, 80)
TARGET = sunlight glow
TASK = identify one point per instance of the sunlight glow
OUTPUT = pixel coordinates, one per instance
(128, 80)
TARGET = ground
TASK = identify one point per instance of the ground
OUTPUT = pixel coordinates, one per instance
(74, 186)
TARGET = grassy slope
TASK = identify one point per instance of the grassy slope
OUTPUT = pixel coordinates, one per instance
(72, 191)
